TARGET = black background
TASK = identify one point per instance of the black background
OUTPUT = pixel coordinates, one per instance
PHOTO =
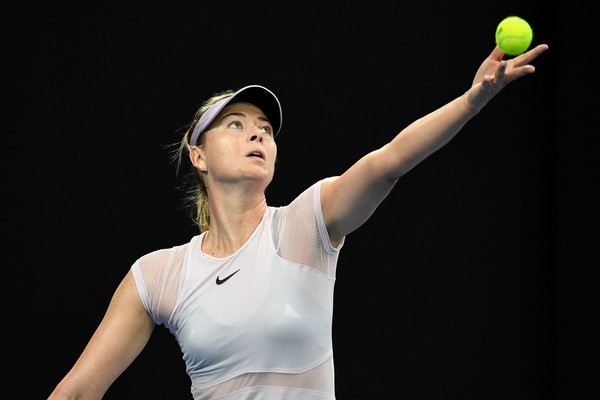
(472, 280)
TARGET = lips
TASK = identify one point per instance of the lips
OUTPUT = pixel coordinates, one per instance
(256, 154)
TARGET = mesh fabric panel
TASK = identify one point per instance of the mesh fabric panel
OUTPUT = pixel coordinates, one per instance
(318, 379)
(297, 236)
(161, 271)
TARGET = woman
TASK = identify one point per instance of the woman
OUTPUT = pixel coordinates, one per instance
(250, 300)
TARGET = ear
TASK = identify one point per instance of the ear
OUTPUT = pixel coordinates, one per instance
(197, 158)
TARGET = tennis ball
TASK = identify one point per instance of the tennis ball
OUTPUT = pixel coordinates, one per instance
(513, 35)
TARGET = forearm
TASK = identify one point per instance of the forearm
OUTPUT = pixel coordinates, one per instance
(348, 201)
(425, 136)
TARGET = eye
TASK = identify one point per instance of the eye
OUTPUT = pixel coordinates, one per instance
(235, 125)
(267, 129)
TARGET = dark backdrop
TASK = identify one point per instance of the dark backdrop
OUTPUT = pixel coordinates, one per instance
(470, 281)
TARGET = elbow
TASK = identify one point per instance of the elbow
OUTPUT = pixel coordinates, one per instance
(392, 180)
(61, 393)
(58, 394)
(387, 165)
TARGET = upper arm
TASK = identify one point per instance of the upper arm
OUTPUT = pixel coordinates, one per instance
(120, 337)
(350, 199)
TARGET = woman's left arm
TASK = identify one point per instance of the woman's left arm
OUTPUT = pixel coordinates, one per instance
(349, 200)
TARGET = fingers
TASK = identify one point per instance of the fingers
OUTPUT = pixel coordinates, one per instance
(497, 54)
(501, 70)
(518, 72)
(495, 73)
(487, 81)
(520, 66)
(531, 55)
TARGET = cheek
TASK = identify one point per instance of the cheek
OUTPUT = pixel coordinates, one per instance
(219, 151)
(273, 151)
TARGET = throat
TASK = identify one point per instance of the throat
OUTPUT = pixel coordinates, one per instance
(223, 240)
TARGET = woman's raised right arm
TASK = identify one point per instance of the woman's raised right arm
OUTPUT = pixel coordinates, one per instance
(120, 337)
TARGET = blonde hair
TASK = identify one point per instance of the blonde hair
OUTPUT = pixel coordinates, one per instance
(196, 197)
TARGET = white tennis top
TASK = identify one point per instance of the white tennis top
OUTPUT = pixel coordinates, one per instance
(255, 324)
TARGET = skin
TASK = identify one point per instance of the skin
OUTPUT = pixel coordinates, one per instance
(234, 181)
(236, 185)
(351, 199)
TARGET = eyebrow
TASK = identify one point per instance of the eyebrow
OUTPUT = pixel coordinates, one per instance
(239, 114)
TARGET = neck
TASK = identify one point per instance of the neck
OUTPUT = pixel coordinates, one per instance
(234, 215)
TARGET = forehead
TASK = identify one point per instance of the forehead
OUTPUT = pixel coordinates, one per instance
(245, 108)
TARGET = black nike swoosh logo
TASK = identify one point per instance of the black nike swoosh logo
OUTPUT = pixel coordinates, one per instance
(222, 281)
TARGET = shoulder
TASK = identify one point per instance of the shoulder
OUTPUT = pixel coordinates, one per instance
(313, 193)
(157, 276)
(308, 204)
(163, 256)
(155, 257)
(325, 186)
(155, 267)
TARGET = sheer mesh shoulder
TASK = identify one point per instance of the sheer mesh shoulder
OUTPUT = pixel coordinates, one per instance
(300, 235)
(157, 276)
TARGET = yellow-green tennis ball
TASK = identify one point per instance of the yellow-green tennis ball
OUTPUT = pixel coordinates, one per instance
(513, 35)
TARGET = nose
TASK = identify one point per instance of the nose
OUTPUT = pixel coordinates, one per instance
(257, 135)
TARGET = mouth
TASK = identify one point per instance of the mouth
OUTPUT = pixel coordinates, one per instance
(256, 154)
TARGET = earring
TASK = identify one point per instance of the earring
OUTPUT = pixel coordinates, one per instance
(203, 170)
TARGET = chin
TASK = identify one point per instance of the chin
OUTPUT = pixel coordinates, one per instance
(264, 177)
